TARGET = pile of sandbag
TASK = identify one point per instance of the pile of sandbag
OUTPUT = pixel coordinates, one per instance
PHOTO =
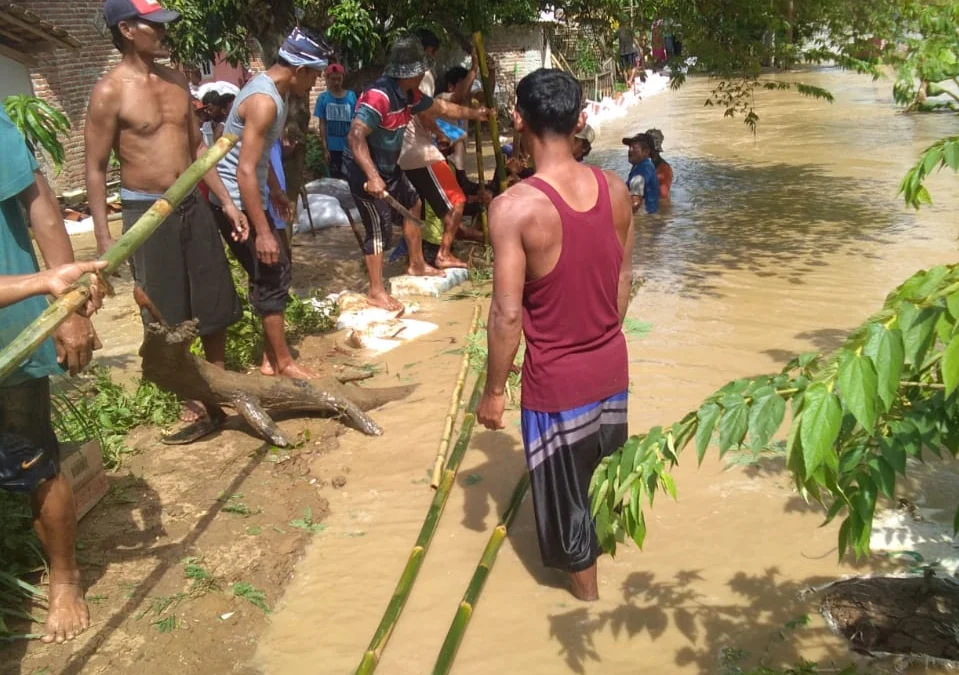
(329, 204)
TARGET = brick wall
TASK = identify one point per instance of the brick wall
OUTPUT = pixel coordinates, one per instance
(66, 77)
(517, 51)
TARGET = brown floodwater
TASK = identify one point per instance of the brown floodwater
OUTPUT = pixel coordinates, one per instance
(773, 245)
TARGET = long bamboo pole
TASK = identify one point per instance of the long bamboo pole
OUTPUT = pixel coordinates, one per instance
(481, 176)
(465, 612)
(489, 95)
(454, 403)
(371, 657)
(60, 310)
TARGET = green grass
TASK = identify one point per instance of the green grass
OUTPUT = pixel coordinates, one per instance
(634, 328)
(251, 594)
(306, 522)
(202, 580)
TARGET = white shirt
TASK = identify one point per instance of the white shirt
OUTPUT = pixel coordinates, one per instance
(418, 149)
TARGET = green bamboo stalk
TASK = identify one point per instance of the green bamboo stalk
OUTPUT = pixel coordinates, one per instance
(371, 658)
(465, 612)
(491, 104)
(13, 354)
(481, 176)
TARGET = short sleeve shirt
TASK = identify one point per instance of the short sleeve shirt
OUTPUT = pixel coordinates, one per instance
(16, 253)
(418, 148)
(627, 43)
(386, 109)
(337, 115)
(647, 170)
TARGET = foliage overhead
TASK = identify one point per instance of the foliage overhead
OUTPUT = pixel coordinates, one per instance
(887, 395)
(41, 125)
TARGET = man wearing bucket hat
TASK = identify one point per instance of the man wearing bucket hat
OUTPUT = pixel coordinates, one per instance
(664, 172)
(258, 117)
(143, 111)
(583, 143)
(373, 150)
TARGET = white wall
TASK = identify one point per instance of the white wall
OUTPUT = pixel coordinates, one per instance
(14, 78)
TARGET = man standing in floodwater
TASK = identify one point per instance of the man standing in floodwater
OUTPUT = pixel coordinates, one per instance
(143, 110)
(563, 243)
(643, 182)
(258, 117)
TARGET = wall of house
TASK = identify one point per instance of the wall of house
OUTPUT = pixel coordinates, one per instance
(65, 77)
(517, 51)
(14, 78)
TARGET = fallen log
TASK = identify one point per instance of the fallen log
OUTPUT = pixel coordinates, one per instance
(168, 363)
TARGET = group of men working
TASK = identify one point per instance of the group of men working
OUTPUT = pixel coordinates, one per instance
(562, 275)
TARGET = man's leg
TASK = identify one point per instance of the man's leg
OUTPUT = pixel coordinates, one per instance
(408, 191)
(378, 225)
(414, 243)
(451, 225)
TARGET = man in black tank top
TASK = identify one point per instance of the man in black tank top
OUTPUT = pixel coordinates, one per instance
(576, 374)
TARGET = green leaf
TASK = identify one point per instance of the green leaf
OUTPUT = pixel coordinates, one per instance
(765, 417)
(952, 303)
(734, 422)
(950, 366)
(844, 536)
(822, 417)
(950, 154)
(707, 416)
(639, 532)
(629, 453)
(883, 475)
(858, 383)
(955, 523)
(889, 361)
(918, 331)
(864, 501)
(893, 454)
(669, 485)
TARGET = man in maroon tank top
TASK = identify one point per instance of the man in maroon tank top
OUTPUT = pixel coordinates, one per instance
(563, 243)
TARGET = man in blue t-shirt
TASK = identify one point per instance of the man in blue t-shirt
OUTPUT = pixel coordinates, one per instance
(643, 183)
(371, 160)
(335, 109)
(29, 453)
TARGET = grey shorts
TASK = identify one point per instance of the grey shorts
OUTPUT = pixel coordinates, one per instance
(183, 268)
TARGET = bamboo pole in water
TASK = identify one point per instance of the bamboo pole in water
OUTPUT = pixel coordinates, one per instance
(491, 104)
(454, 403)
(371, 657)
(465, 612)
(61, 309)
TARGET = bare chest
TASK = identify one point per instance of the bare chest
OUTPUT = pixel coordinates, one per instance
(152, 105)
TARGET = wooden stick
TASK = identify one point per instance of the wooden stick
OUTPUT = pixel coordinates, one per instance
(371, 657)
(454, 403)
(489, 95)
(61, 309)
(481, 176)
(465, 612)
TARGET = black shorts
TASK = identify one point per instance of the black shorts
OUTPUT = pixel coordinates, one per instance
(29, 452)
(183, 268)
(378, 216)
(562, 451)
(269, 284)
(437, 185)
(336, 164)
(627, 61)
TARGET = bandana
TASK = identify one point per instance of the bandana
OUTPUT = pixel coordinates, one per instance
(301, 50)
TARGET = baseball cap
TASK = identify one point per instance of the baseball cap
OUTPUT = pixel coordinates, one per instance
(335, 68)
(635, 137)
(587, 134)
(115, 11)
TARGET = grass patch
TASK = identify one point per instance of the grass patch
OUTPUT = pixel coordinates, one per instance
(251, 594)
(306, 522)
(234, 505)
(634, 328)
(202, 581)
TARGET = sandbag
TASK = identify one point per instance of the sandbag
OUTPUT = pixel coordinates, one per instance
(324, 210)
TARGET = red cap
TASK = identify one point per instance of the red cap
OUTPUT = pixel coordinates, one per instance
(335, 68)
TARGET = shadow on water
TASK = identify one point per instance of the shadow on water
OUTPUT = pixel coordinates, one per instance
(775, 220)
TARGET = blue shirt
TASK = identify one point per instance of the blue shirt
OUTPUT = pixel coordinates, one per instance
(276, 159)
(386, 109)
(16, 253)
(337, 113)
(647, 170)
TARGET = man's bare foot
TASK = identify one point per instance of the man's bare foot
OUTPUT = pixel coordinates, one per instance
(424, 271)
(449, 262)
(385, 301)
(192, 412)
(298, 372)
(68, 615)
(266, 368)
(583, 585)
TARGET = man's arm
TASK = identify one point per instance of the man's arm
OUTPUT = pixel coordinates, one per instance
(451, 111)
(626, 231)
(461, 93)
(360, 150)
(75, 340)
(259, 114)
(100, 137)
(55, 282)
(507, 215)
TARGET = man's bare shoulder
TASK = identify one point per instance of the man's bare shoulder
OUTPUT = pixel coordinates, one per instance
(520, 201)
(173, 75)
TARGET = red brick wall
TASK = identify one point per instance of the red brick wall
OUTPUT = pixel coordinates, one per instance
(65, 77)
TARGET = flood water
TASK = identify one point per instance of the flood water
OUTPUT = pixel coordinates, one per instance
(773, 245)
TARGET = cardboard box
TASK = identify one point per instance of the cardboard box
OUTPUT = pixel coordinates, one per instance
(83, 467)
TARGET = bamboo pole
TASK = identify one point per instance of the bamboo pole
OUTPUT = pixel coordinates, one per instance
(454, 403)
(481, 177)
(491, 104)
(61, 309)
(371, 657)
(465, 612)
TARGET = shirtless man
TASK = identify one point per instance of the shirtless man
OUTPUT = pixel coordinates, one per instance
(143, 110)
(563, 243)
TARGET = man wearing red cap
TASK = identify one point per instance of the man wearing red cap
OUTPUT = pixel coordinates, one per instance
(335, 109)
(143, 110)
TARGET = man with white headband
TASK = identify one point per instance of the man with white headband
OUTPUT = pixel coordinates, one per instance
(258, 118)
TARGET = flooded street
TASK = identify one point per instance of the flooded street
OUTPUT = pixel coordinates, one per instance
(773, 245)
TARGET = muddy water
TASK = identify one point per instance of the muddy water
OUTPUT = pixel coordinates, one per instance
(773, 245)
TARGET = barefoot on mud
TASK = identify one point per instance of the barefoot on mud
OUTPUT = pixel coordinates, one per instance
(424, 271)
(387, 302)
(297, 372)
(450, 262)
(266, 368)
(68, 615)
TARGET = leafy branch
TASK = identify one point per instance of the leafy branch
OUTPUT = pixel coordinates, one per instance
(943, 153)
(857, 415)
(41, 125)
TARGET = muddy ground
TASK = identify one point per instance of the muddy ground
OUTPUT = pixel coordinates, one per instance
(230, 506)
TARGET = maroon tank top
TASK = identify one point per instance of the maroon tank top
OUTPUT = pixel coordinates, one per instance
(575, 347)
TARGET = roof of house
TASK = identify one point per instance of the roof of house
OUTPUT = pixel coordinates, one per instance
(23, 33)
